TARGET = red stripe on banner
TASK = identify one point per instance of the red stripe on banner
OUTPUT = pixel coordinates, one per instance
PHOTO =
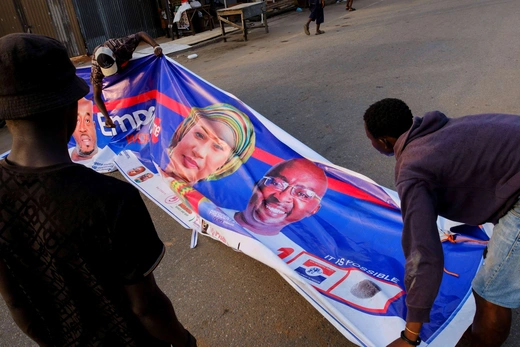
(350, 190)
(259, 154)
(266, 157)
(161, 98)
(173, 105)
(128, 102)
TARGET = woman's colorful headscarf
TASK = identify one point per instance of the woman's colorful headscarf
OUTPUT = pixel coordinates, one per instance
(239, 124)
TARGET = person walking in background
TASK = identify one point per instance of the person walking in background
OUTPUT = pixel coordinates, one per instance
(317, 15)
(349, 6)
(77, 248)
(110, 58)
(164, 20)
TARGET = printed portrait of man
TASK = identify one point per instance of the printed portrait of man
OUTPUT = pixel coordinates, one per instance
(289, 192)
(85, 133)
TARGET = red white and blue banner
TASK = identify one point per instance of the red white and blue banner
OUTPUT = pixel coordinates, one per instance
(222, 169)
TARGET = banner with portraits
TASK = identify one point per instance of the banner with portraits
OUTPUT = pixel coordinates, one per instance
(222, 169)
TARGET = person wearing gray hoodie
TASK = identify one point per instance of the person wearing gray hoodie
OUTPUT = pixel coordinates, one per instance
(465, 169)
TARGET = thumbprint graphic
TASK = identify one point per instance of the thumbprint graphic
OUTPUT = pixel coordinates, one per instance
(365, 289)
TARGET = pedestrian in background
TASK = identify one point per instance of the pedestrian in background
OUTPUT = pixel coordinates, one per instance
(317, 15)
(77, 248)
(349, 6)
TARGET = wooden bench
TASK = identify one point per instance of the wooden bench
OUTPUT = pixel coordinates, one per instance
(247, 10)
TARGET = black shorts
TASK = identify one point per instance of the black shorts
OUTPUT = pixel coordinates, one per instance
(316, 13)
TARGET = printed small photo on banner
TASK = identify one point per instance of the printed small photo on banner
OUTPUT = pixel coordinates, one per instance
(136, 170)
(144, 178)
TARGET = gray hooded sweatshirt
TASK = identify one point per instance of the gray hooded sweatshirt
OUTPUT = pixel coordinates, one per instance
(465, 169)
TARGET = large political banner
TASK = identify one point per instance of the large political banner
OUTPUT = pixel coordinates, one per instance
(220, 168)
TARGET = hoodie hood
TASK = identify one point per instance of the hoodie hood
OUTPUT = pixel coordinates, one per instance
(432, 121)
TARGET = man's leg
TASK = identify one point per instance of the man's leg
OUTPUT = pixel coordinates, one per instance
(320, 18)
(491, 324)
(306, 27)
(496, 286)
(318, 24)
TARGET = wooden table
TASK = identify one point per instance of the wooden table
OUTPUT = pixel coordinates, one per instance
(245, 11)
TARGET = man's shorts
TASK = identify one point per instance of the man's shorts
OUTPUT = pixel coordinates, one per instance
(317, 13)
(498, 280)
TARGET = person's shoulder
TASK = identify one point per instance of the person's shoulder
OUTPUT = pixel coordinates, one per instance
(124, 41)
(135, 36)
(134, 39)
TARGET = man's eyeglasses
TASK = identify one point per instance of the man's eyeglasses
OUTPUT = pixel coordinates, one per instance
(301, 193)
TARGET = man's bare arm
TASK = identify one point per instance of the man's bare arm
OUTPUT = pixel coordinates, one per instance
(101, 106)
(156, 314)
(148, 39)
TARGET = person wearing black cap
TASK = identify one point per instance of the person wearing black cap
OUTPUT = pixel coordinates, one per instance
(113, 56)
(82, 276)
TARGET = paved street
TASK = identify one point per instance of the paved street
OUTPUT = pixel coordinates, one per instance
(460, 57)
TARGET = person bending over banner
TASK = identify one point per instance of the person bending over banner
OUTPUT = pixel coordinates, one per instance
(466, 169)
(84, 133)
(289, 192)
(111, 57)
(211, 143)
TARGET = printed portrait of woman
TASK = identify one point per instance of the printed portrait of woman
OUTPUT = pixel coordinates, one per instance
(211, 143)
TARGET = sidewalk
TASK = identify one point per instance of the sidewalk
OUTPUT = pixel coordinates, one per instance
(168, 45)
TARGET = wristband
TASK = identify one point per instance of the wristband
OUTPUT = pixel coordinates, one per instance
(411, 332)
(156, 47)
(410, 342)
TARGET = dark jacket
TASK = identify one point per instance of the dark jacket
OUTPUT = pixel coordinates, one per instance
(465, 169)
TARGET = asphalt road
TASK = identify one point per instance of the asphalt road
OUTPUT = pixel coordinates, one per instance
(460, 57)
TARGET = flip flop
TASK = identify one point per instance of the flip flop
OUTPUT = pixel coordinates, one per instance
(306, 29)
(319, 32)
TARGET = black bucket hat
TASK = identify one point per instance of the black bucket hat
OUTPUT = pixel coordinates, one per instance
(36, 76)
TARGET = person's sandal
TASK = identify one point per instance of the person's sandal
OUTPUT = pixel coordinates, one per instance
(306, 29)
(351, 9)
(319, 32)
